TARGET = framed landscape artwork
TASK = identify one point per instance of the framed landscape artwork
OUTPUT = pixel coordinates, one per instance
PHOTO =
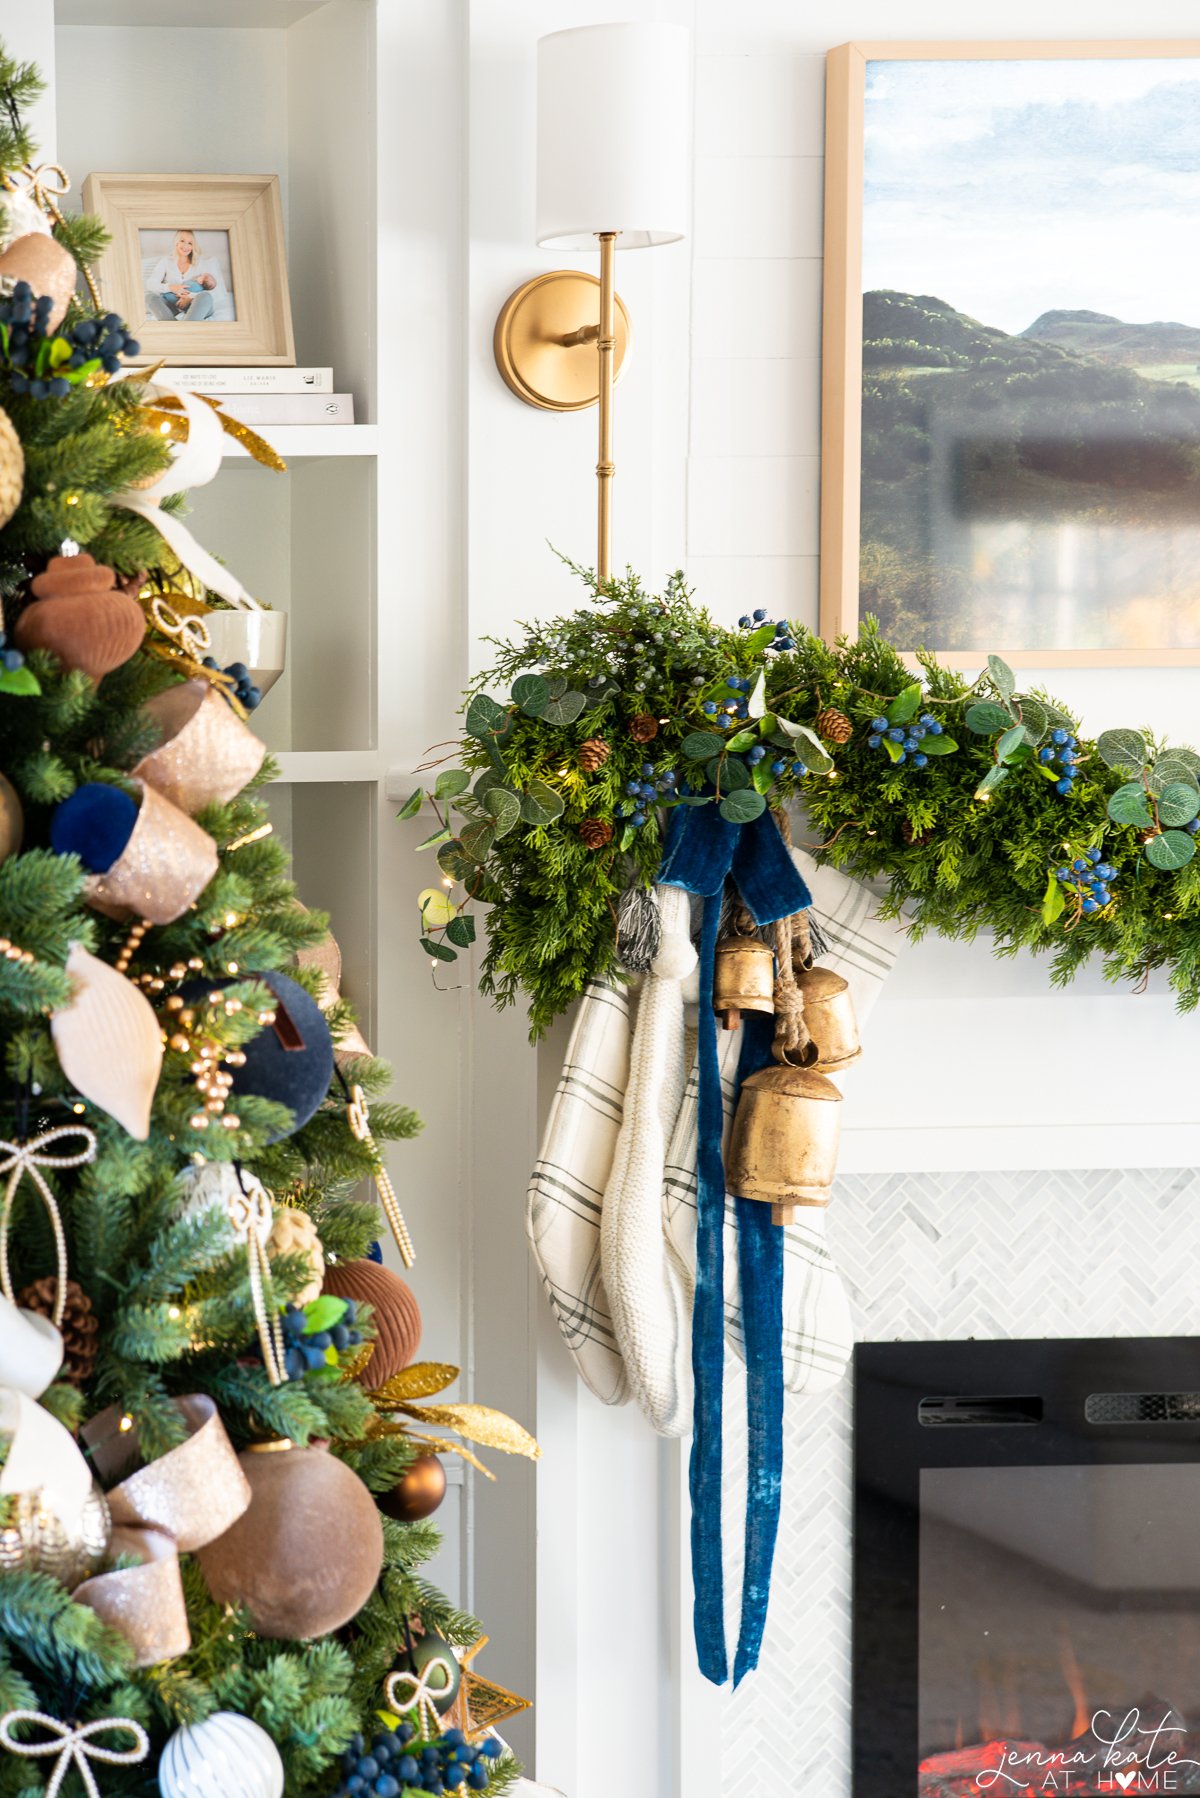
(1011, 435)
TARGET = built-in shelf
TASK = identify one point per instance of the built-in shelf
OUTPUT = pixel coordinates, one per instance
(295, 442)
(302, 766)
(259, 15)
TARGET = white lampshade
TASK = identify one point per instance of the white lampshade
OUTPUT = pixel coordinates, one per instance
(613, 135)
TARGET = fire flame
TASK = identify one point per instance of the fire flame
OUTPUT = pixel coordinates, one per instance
(1082, 1720)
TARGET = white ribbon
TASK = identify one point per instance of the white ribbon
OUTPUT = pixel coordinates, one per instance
(193, 464)
(30, 1158)
(420, 1694)
(74, 1747)
(31, 1349)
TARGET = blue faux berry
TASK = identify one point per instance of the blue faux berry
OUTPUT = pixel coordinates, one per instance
(756, 754)
(902, 757)
(760, 614)
(935, 729)
(895, 734)
(648, 769)
(874, 740)
(638, 819)
(920, 761)
(910, 743)
(1046, 755)
(1090, 905)
(734, 682)
(744, 622)
(633, 788)
(1059, 737)
(778, 767)
(927, 718)
(786, 643)
(492, 1749)
(709, 706)
(798, 768)
(1192, 826)
(1064, 787)
(1094, 854)
(879, 724)
(1062, 874)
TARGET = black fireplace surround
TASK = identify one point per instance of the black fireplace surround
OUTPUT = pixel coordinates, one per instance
(1027, 1568)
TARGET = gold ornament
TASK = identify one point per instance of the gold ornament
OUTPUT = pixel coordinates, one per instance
(481, 1704)
(35, 1539)
(478, 1423)
(830, 1020)
(49, 269)
(743, 978)
(419, 1493)
(12, 471)
(294, 1233)
(12, 818)
(785, 1140)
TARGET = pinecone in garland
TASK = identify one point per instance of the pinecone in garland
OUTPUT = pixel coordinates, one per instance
(80, 1327)
(593, 754)
(643, 727)
(595, 833)
(916, 839)
(833, 725)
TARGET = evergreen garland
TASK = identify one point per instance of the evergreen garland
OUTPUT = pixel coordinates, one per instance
(994, 817)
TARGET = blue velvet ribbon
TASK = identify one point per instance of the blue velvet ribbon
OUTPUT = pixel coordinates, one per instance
(703, 851)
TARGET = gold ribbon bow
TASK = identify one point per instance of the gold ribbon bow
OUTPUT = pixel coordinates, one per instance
(46, 185)
(74, 1746)
(251, 1216)
(359, 1118)
(421, 1692)
(188, 642)
(30, 1158)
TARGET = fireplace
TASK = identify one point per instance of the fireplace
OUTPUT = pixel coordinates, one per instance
(1027, 1568)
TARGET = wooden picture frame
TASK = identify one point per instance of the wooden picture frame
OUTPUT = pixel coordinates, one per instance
(849, 79)
(236, 225)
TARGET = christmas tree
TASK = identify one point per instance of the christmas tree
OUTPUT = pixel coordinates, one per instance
(205, 1373)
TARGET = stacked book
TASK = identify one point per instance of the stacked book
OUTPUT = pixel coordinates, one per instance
(272, 396)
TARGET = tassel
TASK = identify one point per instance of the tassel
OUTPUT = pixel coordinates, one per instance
(639, 929)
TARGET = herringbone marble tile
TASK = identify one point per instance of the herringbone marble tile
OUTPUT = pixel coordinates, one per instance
(933, 1256)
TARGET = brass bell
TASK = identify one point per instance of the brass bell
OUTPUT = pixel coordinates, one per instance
(829, 1016)
(784, 1145)
(743, 978)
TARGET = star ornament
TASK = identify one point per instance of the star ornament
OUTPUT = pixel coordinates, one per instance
(481, 1704)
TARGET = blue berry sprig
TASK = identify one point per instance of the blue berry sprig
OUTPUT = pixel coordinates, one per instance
(648, 791)
(46, 364)
(395, 1762)
(1087, 882)
(317, 1335)
(244, 688)
(1060, 756)
(908, 736)
(768, 635)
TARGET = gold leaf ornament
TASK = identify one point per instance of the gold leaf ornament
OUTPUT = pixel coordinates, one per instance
(478, 1423)
(421, 1379)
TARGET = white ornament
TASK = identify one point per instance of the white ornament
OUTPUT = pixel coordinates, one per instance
(109, 1042)
(226, 1756)
(214, 1186)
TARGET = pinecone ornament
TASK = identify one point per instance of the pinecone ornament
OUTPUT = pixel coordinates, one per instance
(595, 833)
(833, 725)
(294, 1233)
(80, 1326)
(643, 727)
(12, 468)
(593, 754)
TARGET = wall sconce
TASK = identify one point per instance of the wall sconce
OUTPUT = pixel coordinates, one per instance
(613, 160)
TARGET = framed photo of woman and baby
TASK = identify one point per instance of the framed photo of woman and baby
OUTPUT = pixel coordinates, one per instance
(199, 262)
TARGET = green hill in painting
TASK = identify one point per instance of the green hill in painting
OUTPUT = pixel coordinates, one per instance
(1107, 339)
(980, 447)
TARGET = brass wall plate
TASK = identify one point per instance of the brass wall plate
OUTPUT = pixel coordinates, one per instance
(530, 354)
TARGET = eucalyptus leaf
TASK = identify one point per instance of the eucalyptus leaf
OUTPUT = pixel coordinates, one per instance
(1185, 755)
(756, 705)
(938, 745)
(699, 745)
(729, 775)
(985, 718)
(1124, 750)
(1129, 804)
(991, 780)
(477, 840)
(787, 728)
(743, 806)
(485, 782)
(762, 776)
(412, 804)
(482, 716)
(628, 838)
(440, 835)
(1173, 849)
(1003, 678)
(505, 809)
(1053, 900)
(1169, 768)
(742, 739)
(1012, 740)
(1178, 804)
(1033, 717)
(461, 930)
(454, 861)
(906, 705)
(812, 751)
(532, 694)
(564, 710)
(761, 637)
(439, 951)
(436, 906)
(541, 804)
(557, 684)
(451, 782)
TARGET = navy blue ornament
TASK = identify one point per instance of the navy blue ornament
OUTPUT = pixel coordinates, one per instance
(290, 1061)
(95, 824)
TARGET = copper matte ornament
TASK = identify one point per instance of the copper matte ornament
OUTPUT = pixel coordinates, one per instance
(743, 978)
(829, 1017)
(35, 1539)
(418, 1494)
(784, 1145)
(80, 616)
(12, 819)
(397, 1314)
(305, 1557)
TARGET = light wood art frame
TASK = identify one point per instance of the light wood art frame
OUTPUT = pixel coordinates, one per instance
(842, 347)
(248, 208)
